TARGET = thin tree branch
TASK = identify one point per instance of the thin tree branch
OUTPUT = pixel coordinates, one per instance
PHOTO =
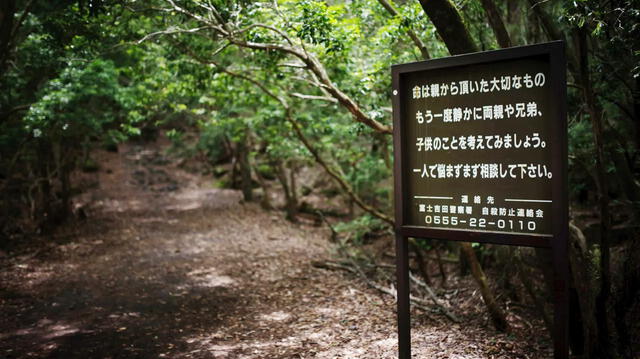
(271, 28)
(171, 32)
(23, 16)
(313, 64)
(312, 97)
(307, 144)
(414, 37)
(447, 313)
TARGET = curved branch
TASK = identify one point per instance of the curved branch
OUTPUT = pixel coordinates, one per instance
(200, 18)
(313, 64)
(312, 97)
(345, 186)
(171, 32)
(307, 144)
(271, 28)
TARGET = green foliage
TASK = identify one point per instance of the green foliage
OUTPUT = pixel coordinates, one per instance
(318, 25)
(81, 102)
(84, 78)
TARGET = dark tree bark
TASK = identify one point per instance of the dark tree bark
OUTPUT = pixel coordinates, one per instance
(629, 291)
(43, 202)
(291, 204)
(493, 15)
(495, 312)
(554, 33)
(539, 302)
(65, 168)
(9, 28)
(449, 25)
(636, 111)
(420, 261)
(582, 282)
(595, 114)
(513, 11)
(265, 202)
(443, 273)
(7, 14)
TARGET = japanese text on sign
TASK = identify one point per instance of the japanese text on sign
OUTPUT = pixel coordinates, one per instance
(478, 148)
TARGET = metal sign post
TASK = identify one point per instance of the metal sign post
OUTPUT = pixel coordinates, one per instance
(480, 149)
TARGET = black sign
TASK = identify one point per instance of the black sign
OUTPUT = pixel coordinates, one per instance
(480, 146)
(480, 149)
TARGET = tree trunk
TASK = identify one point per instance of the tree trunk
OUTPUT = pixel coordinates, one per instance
(629, 187)
(495, 312)
(293, 185)
(245, 169)
(265, 202)
(290, 204)
(581, 267)
(449, 25)
(629, 292)
(443, 273)
(605, 348)
(422, 265)
(538, 301)
(636, 112)
(64, 174)
(7, 15)
(43, 202)
(496, 23)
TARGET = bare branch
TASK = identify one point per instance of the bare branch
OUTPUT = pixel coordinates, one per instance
(307, 144)
(312, 63)
(297, 66)
(312, 97)
(334, 174)
(200, 18)
(201, 60)
(171, 32)
(310, 82)
(271, 28)
(447, 313)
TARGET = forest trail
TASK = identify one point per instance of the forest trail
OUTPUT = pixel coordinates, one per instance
(168, 266)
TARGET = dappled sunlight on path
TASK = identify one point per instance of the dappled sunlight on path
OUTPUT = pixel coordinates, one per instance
(166, 266)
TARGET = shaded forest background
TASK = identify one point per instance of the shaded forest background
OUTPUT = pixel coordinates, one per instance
(261, 91)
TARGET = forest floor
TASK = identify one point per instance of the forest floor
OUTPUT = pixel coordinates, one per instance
(167, 266)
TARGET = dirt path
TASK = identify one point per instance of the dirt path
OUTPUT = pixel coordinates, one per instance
(168, 266)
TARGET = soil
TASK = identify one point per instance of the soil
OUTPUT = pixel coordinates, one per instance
(165, 265)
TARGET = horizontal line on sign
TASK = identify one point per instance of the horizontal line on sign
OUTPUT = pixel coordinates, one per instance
(417, 170)
(431, 197)
(489, 231)
(462, 221)
(492, 223)
(528, 200)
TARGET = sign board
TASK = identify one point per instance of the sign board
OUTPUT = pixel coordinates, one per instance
(480, 150)
(480, 146)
